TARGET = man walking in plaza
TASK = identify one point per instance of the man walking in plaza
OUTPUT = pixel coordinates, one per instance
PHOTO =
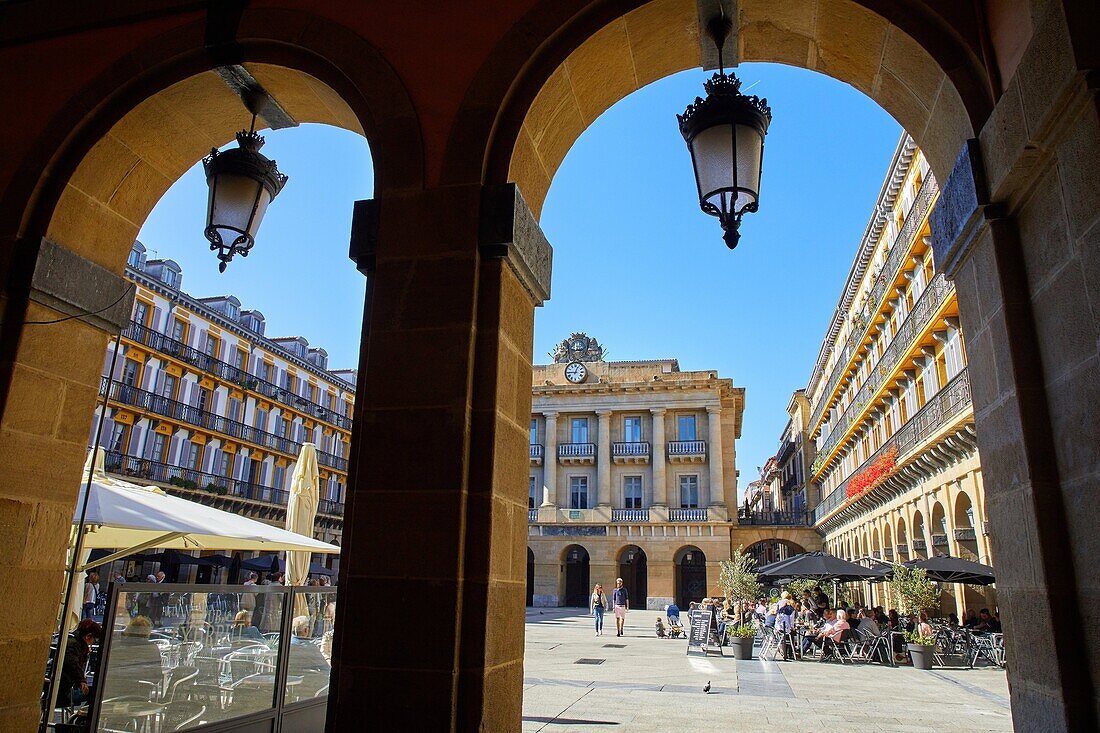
(620, 603)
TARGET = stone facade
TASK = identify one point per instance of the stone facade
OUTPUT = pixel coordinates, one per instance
(633, 465)
(890, 405)
(1002, 98)
(203, 402)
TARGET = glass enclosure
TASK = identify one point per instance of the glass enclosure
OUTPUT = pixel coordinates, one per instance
(180, 656)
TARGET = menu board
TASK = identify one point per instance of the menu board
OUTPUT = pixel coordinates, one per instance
(702, 633)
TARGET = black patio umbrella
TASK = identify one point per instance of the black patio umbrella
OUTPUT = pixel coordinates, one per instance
(818, 566)
(948, 569)
(262, 564)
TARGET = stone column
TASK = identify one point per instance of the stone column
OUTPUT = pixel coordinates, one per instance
(439, 457)
(603, 460)
(660, 487)
(714, 455)
(550, 461)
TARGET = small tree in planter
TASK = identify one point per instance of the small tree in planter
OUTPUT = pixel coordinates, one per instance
(738, 578)
(739, 581)
(913, 593)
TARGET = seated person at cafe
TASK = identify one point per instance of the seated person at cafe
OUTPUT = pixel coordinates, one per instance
(971, 619)
(134, 664)
(243, 629)
(868, 628)
(306, 660)
(834, 635)
(986, 622)
(74, 689)
(814, 637)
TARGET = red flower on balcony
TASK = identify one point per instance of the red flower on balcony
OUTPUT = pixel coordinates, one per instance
(874, 474)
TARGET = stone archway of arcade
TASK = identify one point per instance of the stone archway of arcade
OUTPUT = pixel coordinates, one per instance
(606, 554)
(1003, 104)
(774, 543)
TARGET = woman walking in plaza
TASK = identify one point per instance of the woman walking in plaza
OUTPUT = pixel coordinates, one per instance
(597, 603)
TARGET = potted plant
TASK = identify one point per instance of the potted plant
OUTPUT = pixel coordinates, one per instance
(921, 649)
(741, 638)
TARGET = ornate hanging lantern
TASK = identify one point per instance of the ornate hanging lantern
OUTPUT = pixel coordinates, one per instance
(725, 136)
(242, 183)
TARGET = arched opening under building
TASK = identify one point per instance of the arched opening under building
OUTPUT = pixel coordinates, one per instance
(691, 576)
(772, 550)
(576, 577)
(966, 537)
(634, 571)
(919, 543)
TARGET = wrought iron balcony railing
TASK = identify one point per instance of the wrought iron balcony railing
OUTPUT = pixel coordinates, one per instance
(918, 319)
(687, 515)
(150, 402)
(225, 371)
(773, 519)
(944, 406)
(629, 515)
(899, 250)
(186, 478)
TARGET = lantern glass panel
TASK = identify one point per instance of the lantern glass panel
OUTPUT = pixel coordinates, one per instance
(232, 200)
(712, 149)
(750, 149)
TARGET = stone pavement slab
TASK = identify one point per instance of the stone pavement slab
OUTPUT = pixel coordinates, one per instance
(643, 684)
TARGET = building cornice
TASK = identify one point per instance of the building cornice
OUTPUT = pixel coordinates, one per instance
(219, 319)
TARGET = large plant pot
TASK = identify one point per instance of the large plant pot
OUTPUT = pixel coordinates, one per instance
(921, 655)
(742, 646)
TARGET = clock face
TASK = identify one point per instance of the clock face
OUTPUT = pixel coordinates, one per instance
(575, 372)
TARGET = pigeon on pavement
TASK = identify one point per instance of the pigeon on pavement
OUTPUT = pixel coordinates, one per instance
(706, 688)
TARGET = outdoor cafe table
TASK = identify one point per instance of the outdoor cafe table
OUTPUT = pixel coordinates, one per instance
(134, 709)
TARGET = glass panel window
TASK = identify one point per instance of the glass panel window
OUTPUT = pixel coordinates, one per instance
(159, 441)
(178, 329)
(226, 464)
(952, 354)
(534, 431)
(130, 373)
(141, 312)
(689, 492)
(204, 400)
(118, 434)
(238, 359)
(168, 387)
(632, 492)
(531, 493)
(578, 492)
(687, 427)
(211, 346)
(194, 455)
(632, 429)
(579, 427)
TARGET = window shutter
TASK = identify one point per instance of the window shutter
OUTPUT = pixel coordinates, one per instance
(173, 446)
(154, 324)
(135, 441)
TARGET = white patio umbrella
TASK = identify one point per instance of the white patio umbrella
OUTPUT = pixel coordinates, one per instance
(301, 511)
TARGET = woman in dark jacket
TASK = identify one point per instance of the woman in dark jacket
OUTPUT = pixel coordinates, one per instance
(74, 688)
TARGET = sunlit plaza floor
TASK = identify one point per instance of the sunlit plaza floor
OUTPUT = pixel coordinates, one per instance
(645, 685)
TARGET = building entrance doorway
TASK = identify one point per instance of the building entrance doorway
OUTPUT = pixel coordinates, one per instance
(691, 577)
(576, 577)
(635, 574)
(530, 577)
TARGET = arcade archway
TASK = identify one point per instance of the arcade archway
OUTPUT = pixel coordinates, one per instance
(691, 576)
(633, 569)
(576, 577)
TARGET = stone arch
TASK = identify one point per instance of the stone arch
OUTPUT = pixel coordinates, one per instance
(901, 537)
(919, 534)
(633, 568)
(772, 549)
(963, 513)
(931, 82)
(938, 522)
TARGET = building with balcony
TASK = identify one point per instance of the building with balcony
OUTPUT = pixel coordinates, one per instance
(632, 474)
(890, 411)
(202, 402)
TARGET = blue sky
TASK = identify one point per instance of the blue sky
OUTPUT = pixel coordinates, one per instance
(636, 264)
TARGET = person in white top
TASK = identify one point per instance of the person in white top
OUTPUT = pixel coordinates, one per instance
(597, 604)
(91, 594)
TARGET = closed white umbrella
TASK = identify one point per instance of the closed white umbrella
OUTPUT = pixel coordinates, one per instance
(301, 511)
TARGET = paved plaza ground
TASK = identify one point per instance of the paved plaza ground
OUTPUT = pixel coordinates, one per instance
(650, 685)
